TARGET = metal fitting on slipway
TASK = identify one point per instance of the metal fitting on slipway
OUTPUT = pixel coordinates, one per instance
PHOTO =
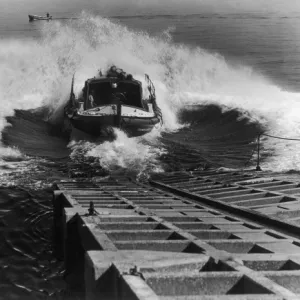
(92, 211)
(135, 271)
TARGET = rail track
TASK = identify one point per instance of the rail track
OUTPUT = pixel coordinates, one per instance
(186, 235)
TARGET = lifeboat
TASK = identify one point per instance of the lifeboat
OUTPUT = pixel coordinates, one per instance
(113, 100)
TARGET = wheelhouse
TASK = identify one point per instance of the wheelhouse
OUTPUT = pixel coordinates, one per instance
(106, 90)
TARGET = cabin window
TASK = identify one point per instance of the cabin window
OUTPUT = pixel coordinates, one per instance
(103, 93)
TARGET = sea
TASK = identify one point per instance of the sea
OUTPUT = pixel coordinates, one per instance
(225, 73)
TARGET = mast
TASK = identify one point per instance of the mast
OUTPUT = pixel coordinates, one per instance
(72, 95)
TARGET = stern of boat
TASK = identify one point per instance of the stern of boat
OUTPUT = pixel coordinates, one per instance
(99, 120)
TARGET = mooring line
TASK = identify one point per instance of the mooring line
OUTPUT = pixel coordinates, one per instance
(280, 138)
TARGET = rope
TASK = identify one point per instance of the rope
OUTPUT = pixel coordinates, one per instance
(258, 168)
(251, 156)
(280, 138)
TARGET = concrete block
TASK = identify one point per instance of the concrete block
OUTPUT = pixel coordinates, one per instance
(239, 247)
(130, 226)
(215, 283)
(107, 274)
(135, 288)
(213, 234)
(262, 201)
(153, 245)
(195, 225)
(233, 226)
(281, 247)
(271, 265)
(288, 279)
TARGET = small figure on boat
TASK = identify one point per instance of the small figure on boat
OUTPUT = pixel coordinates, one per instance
(48, 15)
(114, 100)
(91, 98)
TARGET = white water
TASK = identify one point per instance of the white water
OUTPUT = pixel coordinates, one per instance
(35, 73)
(134, 156)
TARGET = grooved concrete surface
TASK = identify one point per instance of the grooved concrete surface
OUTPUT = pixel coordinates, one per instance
(144, 242)
(268, 195)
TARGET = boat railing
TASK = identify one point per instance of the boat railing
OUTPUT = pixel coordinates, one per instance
(152, 98)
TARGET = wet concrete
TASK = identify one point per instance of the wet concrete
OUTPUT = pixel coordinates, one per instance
(136, 241)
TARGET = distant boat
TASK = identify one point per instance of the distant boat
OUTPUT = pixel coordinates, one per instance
(35, 17)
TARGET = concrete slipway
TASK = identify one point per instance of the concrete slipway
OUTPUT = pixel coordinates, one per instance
(185, 235)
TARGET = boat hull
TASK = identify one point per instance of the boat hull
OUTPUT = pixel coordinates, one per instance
(35, 18)
(102, 125)
(99, 121)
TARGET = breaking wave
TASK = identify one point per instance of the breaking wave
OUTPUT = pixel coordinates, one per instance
(38, 72)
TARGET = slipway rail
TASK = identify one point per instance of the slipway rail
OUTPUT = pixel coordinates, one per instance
(170, 240)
